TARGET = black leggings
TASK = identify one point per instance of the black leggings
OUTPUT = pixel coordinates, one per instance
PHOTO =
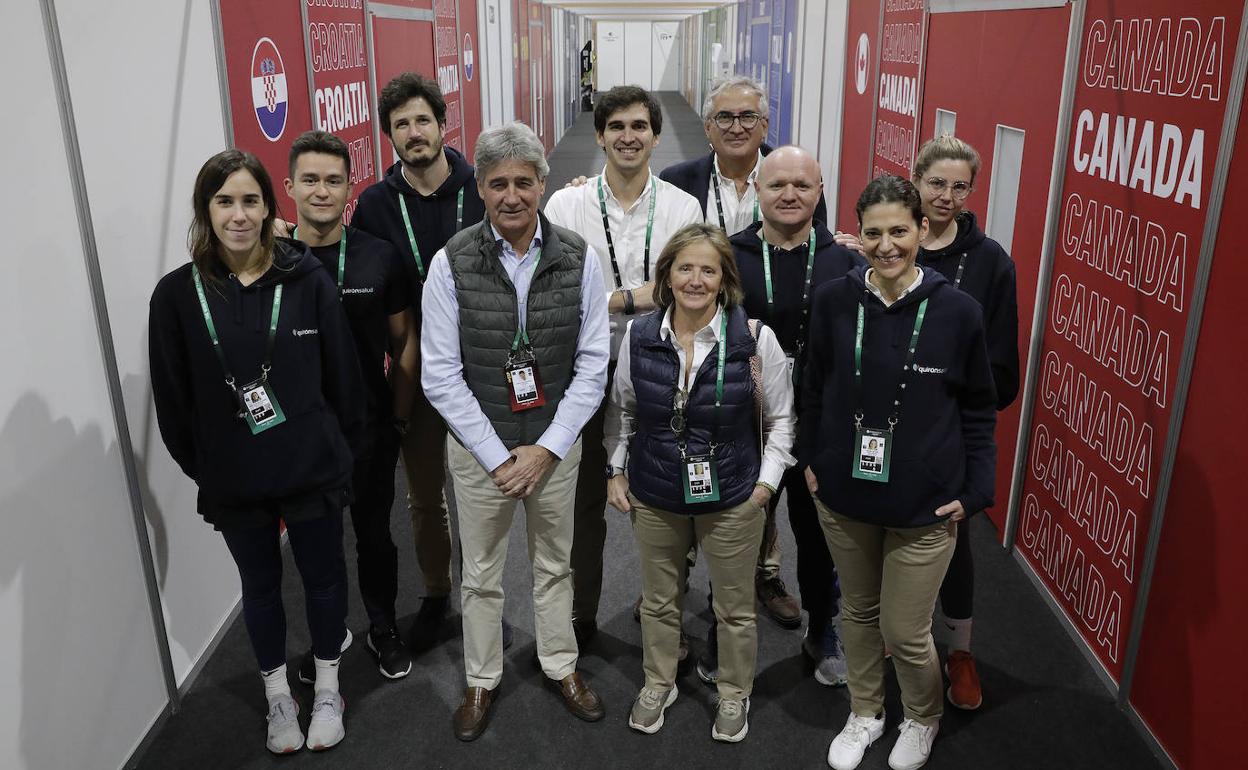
(816, 574)
(377, 559)
(957, 592)
(317, 547)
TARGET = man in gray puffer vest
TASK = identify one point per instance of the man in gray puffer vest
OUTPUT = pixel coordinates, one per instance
(515, 348)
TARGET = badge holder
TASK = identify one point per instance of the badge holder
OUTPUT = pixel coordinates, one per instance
(873, 452)
(524, 382)
(260, 409)
(700, 478)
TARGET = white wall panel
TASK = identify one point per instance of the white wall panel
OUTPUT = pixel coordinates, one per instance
(494, 50)
(833, 85)
(637, 52)
(140, 165)
(665, 56)
(80, 678)
(609, 43)
(808, 80)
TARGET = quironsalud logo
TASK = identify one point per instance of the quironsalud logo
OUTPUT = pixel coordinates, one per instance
(268, 88)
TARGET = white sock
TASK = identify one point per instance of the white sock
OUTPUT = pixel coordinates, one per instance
(275, 682)
(326, 675)
(959, 634)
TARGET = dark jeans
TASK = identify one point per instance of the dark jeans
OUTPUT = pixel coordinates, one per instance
(816, 574)
(589, 535)
(317, 547)
(377, 558)
(957, 592)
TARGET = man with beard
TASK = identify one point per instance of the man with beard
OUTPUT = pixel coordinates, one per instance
(425, 198)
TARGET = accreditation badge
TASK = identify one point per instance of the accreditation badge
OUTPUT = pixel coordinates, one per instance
(701, 479)
(260, 408)
(873, 449)
(524, 383)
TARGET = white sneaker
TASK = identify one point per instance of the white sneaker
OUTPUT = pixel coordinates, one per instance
(853, 741)
(285, 736)
(326, 730)
(913, 745)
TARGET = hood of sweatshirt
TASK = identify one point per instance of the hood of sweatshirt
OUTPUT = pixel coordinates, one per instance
(932, 280)
(750, 240)
(461, 173)
(969, 238)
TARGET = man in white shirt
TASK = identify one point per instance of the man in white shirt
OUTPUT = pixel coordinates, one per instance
(627, 215)
(515, 351)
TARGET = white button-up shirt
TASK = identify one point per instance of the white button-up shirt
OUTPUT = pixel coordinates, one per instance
(779, 422)
(577, 209)
(738, 209)
(442, 365)
(877, 292)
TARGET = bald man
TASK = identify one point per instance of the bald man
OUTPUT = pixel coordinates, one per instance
(799, 254)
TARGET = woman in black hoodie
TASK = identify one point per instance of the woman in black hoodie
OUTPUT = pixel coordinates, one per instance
(260, 400)
(895, 434)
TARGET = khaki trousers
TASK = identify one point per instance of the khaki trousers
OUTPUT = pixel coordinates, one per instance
(729, 540)
(425, 468)
(889, 581)
(485, 518)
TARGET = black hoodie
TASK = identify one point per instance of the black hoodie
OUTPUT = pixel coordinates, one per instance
(432, 216)
(989, 278)
(315, 377)
(943, 446)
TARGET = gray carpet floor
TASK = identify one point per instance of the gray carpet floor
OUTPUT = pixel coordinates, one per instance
(1043, 705)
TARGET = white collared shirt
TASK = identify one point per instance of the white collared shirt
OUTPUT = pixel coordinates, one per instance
(738, 209)
(577, 209)
(442, 365)
(779, 422)
(876, 290)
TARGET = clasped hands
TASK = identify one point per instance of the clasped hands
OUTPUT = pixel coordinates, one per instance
(520, 474)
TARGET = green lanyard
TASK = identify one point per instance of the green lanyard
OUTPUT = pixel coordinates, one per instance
(522, 333)
(678, 425)
(606, 227)
(411, 236)
(342, 256)
(905, 369)
(719, 204)
(810, 272)
(216, 342)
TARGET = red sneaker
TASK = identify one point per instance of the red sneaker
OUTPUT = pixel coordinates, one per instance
(964, 691)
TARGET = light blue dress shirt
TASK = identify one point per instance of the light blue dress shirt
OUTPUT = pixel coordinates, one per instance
(442, 366)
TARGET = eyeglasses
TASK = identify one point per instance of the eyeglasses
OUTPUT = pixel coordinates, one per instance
(724, 120)
(938, 187)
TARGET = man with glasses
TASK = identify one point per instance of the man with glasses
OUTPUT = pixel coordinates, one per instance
(734, 117)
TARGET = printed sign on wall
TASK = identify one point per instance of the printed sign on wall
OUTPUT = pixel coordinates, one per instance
(1148, 111)
(339, 83)
(897, 118)
(446, 59)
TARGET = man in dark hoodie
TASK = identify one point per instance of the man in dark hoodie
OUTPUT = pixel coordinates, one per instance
(783, 259)
(376, 294)
(734, 117)
(427, 196)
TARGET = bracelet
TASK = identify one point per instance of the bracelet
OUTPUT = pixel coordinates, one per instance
(630, 307)
(765, 486)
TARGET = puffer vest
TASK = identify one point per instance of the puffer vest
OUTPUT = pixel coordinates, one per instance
(654, 472)
(488, 313)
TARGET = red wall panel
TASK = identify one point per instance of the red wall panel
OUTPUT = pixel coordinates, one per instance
(965, 73)
(470, 68)
(1189, 683)
(399, 45)
(861, 81)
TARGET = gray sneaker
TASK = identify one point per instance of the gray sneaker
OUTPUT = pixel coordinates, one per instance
(326, 730)
(285, 736)
(731, 720)
(828, 653)
(648, 709)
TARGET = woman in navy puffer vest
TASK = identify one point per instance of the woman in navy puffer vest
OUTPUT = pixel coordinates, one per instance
(687, 462)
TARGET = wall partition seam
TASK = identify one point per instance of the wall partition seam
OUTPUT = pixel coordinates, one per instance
(1213, 215)
(1074, 45)
(99, 305)
(223, 78)
(371, 53)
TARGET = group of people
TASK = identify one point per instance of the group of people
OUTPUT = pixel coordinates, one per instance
(686, 347)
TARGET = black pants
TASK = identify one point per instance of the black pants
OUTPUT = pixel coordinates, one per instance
(816, 574)
(957, 592)
(317, 547)
(376, 558)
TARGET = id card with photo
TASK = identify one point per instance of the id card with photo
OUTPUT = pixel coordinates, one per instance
(524, 384)
(873, 449)
(260, 407)
(701, 479)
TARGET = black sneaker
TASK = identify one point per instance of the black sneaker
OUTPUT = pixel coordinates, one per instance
(428, 623)
(393, 660)
(307, 666)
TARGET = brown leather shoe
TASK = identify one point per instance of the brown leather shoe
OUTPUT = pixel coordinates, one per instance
(777, 603)
(580, 700)
(473, 714)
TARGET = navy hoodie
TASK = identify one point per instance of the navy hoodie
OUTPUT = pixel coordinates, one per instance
(989, 278)
(432, 216)
(943, 447)
(315, 378)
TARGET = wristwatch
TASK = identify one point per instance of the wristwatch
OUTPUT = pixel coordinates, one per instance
(613, 471)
